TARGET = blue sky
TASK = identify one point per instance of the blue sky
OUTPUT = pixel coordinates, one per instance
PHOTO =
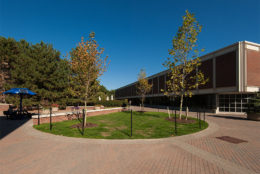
(135, 34)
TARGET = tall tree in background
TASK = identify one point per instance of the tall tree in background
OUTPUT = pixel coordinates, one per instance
(143, 87)
(87, 65)
(184, 62)
(45, 71)
(37, 67)
(9, 51)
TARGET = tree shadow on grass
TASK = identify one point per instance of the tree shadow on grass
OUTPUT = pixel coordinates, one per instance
(143, 114)
(123, 131)
(80, 130)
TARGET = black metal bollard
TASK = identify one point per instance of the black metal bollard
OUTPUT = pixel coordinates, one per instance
(131, 123)
(50, 118)
(83, 121)
(175, 122)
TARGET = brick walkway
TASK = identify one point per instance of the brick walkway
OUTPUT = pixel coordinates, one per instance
(26, 150)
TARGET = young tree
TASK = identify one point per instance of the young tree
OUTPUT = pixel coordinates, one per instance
(143, 87)
(87, 65)
(184, 73)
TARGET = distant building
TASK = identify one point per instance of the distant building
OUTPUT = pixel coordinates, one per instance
(234, 76)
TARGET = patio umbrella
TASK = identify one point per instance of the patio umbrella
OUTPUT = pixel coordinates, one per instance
(21, 92)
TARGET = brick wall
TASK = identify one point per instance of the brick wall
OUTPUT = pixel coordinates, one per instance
(253, 68)
(4, 107)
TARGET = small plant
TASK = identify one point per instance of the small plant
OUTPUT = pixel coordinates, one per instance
(62, 107)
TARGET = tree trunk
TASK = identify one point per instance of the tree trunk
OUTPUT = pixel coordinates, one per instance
(169, 112)
(181, 105)
(85, 120)
(187, 113)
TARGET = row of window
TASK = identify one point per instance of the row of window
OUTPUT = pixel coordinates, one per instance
(234, 102)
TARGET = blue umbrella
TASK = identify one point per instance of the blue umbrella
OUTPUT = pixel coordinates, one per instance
(21, 92)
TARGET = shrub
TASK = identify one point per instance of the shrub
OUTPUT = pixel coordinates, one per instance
(254, 104)
(62, 107)
(112, 103)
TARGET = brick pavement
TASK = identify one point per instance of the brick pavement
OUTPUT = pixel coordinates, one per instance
(27, 150)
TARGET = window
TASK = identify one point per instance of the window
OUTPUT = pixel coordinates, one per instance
(234, 102)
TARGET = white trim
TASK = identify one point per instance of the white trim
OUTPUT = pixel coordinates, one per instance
(251, 47)
(252, 43)
(252, 89)
(245, 66)
(230, 113)
(238, 72)
(219, 52)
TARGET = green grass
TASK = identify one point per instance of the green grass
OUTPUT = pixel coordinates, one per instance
(118, 126)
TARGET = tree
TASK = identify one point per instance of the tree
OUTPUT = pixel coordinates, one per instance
(37, 67)
(143, 87)
(87, 65)
(184, 62)
(8, 52)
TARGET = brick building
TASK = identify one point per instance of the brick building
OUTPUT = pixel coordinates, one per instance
(234, 76)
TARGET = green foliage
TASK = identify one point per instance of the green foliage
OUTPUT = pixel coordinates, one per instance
(254, 103)
(117, 126)
(87, 65)
(36, 67)
(143, 87)
(9, 51)
(39, 68)
(112, 103)
(103, 89)
(184, 62)
(103, 93)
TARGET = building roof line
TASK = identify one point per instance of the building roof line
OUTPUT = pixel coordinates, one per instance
(202, 57)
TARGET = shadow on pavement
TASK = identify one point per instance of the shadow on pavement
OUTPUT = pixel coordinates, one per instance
(229, 117)
(7, 125)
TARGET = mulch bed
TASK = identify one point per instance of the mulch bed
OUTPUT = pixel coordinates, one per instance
(79, 125)
(184, 121)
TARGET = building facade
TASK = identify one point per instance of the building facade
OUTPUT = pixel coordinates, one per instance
(233, 73)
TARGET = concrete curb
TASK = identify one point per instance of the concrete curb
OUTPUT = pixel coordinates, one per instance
(39, 134)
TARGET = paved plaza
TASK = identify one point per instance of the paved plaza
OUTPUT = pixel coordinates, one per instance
(26, 150)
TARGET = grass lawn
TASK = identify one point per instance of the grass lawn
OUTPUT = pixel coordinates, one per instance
(118, 126)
